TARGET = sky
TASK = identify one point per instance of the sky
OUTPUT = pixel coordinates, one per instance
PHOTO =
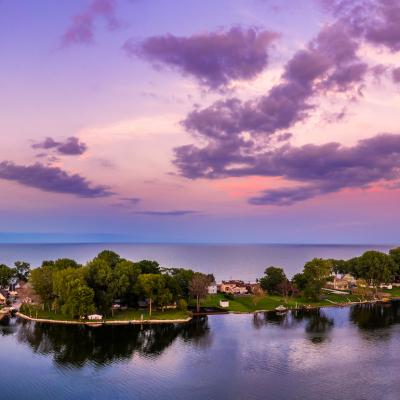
(268, 121)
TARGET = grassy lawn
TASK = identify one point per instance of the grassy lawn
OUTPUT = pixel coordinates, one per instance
(37, 312)
(126, 315)
(395, 292)
(247, 303)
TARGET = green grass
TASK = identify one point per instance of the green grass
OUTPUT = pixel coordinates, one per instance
(125, 315)
(37, 312)
(247, 303)
(395, 292)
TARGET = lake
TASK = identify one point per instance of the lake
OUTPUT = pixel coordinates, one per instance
(246, 261)
(332, 353)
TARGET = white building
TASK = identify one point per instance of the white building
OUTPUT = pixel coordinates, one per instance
(212, 289)
(95, 317)
(224, 303)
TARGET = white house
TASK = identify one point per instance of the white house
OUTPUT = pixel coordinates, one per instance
(212, 288)
(95, 317)
(2, 299)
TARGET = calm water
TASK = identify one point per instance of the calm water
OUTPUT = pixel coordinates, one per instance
(348, 353)
(225, 261)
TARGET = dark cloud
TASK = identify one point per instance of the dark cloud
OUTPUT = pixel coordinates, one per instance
(317, 169)
(172, 213)
(214, 59)
(71, 146)
(235, 130)
(51, 179)
(375, 21)
(82, 27)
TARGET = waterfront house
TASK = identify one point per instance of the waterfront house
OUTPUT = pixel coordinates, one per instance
(338, 284)
(2, 299)
(233, 287)
(212, 288)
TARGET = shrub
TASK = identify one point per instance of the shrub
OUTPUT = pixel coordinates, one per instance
(182, 305)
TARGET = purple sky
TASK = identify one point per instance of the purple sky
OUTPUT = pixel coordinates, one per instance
(201, 121)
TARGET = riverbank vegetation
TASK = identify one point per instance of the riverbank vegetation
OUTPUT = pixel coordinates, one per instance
(115, 288)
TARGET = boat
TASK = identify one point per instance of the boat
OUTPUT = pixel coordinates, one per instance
(281, 309)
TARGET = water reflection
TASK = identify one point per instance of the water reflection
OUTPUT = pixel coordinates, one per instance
(317, 325)
(77, 345)
(375, 316)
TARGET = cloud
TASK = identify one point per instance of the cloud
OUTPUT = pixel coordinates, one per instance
(321, 169)
(131, 200)
(172, 213)
(375, 21)
(396, 75)
(51, 179)
(214, 58)
(82, 27)
(71, 146)
(234, 130)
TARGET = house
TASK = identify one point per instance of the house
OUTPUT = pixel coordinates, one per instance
(233, 287)
(349, 278)
(212, 288)
(2, 299)
(338, 284)
(95, 317)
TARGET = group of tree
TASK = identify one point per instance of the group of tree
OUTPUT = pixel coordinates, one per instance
(10, 276)
(373, 267)
(79, 290)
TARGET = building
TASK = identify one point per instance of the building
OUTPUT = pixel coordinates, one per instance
(233, 287)
(224, 303)
(212, 288)
(2, 299)
(95, 317)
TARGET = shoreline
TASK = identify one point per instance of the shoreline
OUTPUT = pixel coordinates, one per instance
(98, 323)
(188, 319)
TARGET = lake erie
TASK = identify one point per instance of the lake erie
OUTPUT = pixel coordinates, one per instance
(226, 261)
(331, 353)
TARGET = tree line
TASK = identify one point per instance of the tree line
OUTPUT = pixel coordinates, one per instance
(371, 269)
(79, 290)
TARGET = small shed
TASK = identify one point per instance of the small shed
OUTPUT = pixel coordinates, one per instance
(224, 303)
(95, 317)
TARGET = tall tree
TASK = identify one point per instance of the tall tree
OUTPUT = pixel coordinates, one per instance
(198, 288)
(6, 274)
(273, 279)
(22, 270)
(150, 285)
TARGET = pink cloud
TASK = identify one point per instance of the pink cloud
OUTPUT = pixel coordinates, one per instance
(82, 27)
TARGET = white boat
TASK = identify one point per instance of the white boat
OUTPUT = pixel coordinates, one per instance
(281, 308)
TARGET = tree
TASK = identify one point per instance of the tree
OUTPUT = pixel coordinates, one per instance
(6, 274)
(315, 275)
(376, 268)
(73, 295)
(300, 281)
(99, 277)
(149, 267)
(273, 279)
(150, 285)
(22, 270)
(395, 256)
(42, 283)
(198, 286)
(109, 257)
